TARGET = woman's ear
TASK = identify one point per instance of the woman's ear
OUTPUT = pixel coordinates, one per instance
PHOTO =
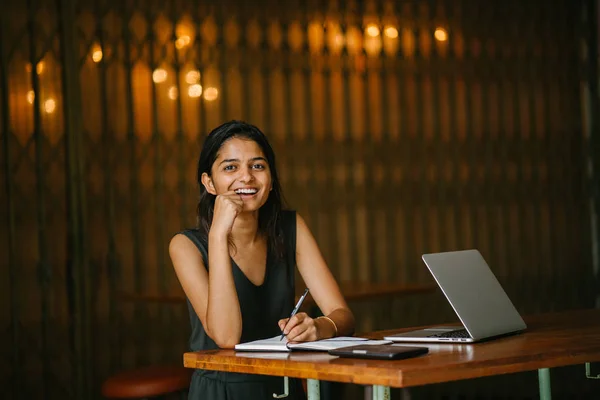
(208, 184)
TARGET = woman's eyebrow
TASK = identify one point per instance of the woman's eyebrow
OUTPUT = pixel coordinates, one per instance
(237, 160)
(229, 160)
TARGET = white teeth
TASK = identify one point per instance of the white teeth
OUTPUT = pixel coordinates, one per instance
(246, 191)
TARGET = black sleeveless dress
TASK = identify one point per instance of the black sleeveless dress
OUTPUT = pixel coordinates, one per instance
(261, 306)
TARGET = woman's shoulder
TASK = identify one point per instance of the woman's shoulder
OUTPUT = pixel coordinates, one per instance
(191, 233)
(182, 238)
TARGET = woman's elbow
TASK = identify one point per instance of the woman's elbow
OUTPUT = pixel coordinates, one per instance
(224, 341)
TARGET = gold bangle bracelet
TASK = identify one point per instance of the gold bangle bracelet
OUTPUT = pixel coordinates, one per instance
(333, 323)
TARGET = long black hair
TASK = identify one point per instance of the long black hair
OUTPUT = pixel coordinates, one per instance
(269, 215)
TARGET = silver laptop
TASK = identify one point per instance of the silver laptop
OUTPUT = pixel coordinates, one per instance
(475, 295)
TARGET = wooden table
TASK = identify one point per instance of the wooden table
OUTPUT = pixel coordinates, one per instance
(551, 340)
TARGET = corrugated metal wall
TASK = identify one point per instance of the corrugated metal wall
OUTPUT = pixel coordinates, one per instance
(401, 128)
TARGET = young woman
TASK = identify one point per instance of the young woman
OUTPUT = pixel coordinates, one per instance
(238, 267)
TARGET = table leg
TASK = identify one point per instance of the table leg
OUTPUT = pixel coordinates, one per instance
(588, 372)
(286, 389)
(381, 392)
(544, 381)
(314, 390)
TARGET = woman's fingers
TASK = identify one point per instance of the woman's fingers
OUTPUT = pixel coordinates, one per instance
(301, 328)
(302, 333)
(227, 207)
(306, 336)
(294, 321)
(282, 323)
(232, 199)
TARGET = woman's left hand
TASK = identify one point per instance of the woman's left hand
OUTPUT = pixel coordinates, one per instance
(300, 328)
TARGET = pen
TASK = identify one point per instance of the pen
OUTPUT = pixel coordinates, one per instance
(298, 305)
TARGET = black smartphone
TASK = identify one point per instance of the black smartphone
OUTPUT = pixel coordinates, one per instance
(379, 352)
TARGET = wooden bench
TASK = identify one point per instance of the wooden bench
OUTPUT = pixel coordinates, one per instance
(147, 382)
(352, 291)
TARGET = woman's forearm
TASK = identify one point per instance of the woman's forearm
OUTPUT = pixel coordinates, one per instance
(223, 315)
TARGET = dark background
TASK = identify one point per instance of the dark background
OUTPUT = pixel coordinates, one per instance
(456, 124)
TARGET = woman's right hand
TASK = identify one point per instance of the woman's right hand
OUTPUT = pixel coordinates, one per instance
(227, 207)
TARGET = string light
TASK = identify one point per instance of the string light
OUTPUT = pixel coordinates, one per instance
(211, 94)
(39, 68)
(372, 30)
(30, 96)
(391, 32)
(195, 90)
(192, 77)
(182, 41)
(440, 34)
(97, 53)
(173, 92)
(49, 106)
(159, 75)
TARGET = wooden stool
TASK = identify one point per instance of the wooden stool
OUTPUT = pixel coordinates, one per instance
(147, 382)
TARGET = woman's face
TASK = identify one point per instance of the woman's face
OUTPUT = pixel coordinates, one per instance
(241, 167)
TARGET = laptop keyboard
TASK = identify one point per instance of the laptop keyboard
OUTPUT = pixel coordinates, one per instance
(460, 334)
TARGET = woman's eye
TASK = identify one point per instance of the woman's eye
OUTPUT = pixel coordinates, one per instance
(229, 167)
(258, 166)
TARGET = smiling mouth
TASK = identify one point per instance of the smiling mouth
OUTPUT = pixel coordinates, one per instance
(246, 192)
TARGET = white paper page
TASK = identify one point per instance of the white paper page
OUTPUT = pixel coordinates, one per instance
(271, 344)
(325, 345)
(344, 339)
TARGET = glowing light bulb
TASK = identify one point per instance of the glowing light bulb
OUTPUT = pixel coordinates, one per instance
(182, 41)
(97, 53)
(192, 77)
(173, 92)
(30, 96)
(195, 90)
(372, 30)
(440, 34)
(159, 75)
(211, 94)
(49, 106)
(391, 32)
(39, 67)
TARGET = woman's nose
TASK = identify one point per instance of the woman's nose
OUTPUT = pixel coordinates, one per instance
(246, 174)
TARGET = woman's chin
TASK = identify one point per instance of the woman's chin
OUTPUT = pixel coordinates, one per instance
(250, 208)
(252, 205)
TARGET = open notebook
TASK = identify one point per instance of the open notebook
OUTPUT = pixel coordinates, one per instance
(274, 344)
